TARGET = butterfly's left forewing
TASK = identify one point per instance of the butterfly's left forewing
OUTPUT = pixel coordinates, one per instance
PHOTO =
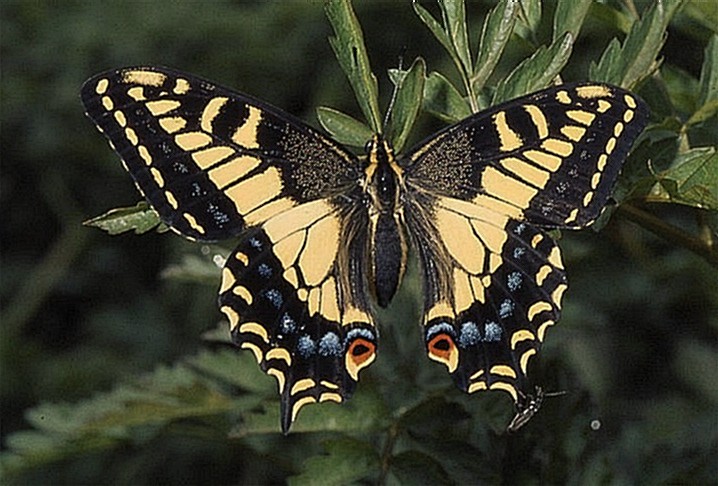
(215, 164)
(209, 160)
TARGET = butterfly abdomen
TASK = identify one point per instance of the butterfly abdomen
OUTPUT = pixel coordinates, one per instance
(388, 237)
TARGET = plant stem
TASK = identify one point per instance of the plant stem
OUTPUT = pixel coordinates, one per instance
(705, 248)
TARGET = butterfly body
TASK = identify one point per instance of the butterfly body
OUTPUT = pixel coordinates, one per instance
(388, 251)
(323, 237)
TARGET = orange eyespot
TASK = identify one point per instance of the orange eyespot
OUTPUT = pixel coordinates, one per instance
(443, 349)
(360, 354)
(361, 350)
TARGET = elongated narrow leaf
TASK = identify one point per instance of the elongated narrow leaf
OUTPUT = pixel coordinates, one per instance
(610, 66)
(344, 128)
(495, 34)
(636, 59)
(569, 17)
(529, 17)
(443, 100)
(709, 72)
(407, 104)
(537, 71)
(140, 218)
(435, 27)
(454, 12)
(348, 46)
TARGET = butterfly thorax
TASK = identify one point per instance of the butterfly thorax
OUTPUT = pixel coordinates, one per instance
(387, 242)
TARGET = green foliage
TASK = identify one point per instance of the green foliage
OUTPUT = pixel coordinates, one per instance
(635, 349)
(139, 218)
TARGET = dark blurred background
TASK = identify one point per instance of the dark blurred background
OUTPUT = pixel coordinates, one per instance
(83, 310)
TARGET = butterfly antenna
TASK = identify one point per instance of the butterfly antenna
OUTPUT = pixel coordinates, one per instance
(395, 93)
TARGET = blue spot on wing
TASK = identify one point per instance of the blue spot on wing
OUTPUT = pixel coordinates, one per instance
(275, 297)
(470, 334)
(330, 345)
(306, 347)
(514, 281)
(506, 308)
(492, 332)
(264, 270)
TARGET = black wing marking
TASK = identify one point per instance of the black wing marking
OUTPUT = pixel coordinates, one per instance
(550, 158)
(209, 160)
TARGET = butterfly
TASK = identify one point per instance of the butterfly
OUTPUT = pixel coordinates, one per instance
(323, 235)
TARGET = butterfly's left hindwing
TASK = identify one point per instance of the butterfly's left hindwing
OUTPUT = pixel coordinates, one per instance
(298, 318)
(212, 161)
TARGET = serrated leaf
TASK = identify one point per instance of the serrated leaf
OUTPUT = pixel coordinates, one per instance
(536, 72)
(692, 180)
(443, 100)
(569, 17)
(407, 104)
(454, 12)
(136, 410)
(350, 50)
(363, 413)
(344, 128)
(346, 461)
(140, 218)
(495, 34)
(235, 367)
(709, 72)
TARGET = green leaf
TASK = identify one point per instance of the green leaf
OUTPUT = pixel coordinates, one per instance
(709, 72)
(408, 101)
(348, 46)
(692, 180)
(569, 17)
(344, 128)
(443, 100)
(138, 410)
(636, 59)
(454, 12)
(140, 218)
(438, 31)
(610, 66)
(365, 412)
(234, 367)
(346, 461)
(536, 72)
(495, 34)
(529, 18)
